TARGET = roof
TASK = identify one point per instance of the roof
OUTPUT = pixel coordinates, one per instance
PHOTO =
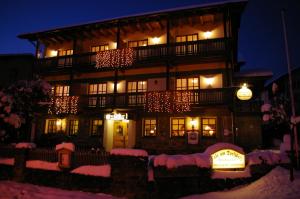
(34, 35)
(254, 73)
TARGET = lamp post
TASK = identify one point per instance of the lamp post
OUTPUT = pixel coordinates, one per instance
(293, 134)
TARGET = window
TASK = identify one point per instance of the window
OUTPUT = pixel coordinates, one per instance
(61, 90)
(55, 126)
(137, 43)
(73, 127)
(97, 89)
(177, 127)
(189, 84)
(96, 127)
(135, 90)
(67, 60)
(150, 127)
(186, 48)
(208, 127)
(95, 49)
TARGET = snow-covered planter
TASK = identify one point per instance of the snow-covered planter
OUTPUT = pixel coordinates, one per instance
(129, 152)
(65, 145)
(25, 145)
(93, 170)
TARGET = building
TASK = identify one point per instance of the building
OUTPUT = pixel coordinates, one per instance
(15, 67)
(148, 81)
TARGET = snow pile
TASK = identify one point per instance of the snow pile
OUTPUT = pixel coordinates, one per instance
(44, 165)
(222, 145)
(25, 145)
(246, 173)
(286, 144)
(267, 156)
(266, 108)
(16, 190)
(92, 170)
(129, 152)
(275, 184)
(7, 161)
(175, 161)
(65, 145)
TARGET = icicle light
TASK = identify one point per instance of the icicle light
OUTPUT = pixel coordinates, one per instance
(63, 105)
(117, 58)
(168, 101)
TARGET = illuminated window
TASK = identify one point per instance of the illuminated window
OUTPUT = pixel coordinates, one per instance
(95, 49)
(137, 43)
(183, 48)
(55, 126)
(73, 127)
(185, 38)
(60, 90)
(97, 89)
(177, 127)
(150, 127)
(189, 84)
(96, 127)
(65, 58)
(208, 127)
(134, 88)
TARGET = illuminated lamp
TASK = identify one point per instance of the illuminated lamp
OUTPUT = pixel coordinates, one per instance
(193, 123)
(58, 122)
(155, 40)
(53, 53)
(244, 93)
(207, 34)
(209, 81)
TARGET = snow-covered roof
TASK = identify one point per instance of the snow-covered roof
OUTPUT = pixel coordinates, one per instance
(254, 73)
(145, 14)
(25, 145)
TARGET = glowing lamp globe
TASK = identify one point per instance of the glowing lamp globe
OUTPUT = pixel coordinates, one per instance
(244, 93)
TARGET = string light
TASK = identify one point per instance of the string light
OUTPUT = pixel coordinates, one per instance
(117, 58)
(63, 105)
(168, 101)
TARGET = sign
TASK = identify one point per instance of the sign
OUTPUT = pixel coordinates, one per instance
(228, 159)
(244, 93)
(193, 137)
(116, 116)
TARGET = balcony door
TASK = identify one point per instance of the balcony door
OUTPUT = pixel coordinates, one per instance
(185, 44)
(120, 137)
(65, 58)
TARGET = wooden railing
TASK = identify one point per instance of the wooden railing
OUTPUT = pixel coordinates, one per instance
(138, 100)
(201, 48)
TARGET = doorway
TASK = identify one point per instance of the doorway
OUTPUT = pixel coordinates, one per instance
(120, 134)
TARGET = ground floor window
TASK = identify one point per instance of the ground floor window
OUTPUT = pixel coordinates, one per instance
(55, 126)
(150, 127)
(96, 127)
(177, 127)
(208, 126)
(73, 127)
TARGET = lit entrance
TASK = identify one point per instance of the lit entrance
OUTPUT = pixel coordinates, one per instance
(120, 134)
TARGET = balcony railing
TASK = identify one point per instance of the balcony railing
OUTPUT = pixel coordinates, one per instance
(202, 48)
(139, 100)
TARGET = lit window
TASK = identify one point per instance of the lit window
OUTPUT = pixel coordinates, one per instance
(134, 88)
(138, 43)
(65, 58)
(208, 127)
(96, 127)
(189, 84)
(97, 89)
(62, 90)
(73, 127)
(177, 127)
(150, 127)
(55, 126)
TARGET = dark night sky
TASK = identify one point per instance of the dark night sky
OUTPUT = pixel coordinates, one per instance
(260, 42)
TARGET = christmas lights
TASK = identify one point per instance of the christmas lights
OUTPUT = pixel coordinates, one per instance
(63, 105)
(168, 101)
(117, 58)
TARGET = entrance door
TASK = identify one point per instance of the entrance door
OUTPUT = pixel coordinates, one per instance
(120, 134)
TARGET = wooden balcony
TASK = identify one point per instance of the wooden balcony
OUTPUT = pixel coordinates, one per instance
(201, 49)
(139, 100)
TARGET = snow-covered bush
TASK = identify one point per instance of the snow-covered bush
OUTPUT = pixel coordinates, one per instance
(18, 104)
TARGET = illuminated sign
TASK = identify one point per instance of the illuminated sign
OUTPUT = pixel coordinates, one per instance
(228, 159)
(244, 93)
(116, 116)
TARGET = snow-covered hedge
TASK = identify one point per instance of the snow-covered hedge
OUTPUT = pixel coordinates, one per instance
(129, 152)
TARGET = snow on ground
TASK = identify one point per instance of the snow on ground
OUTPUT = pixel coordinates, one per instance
(129, 152)
(7, 161)
(44, 165)
(13, 190)
(25, 145)
(275, 185)
(101, 170)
